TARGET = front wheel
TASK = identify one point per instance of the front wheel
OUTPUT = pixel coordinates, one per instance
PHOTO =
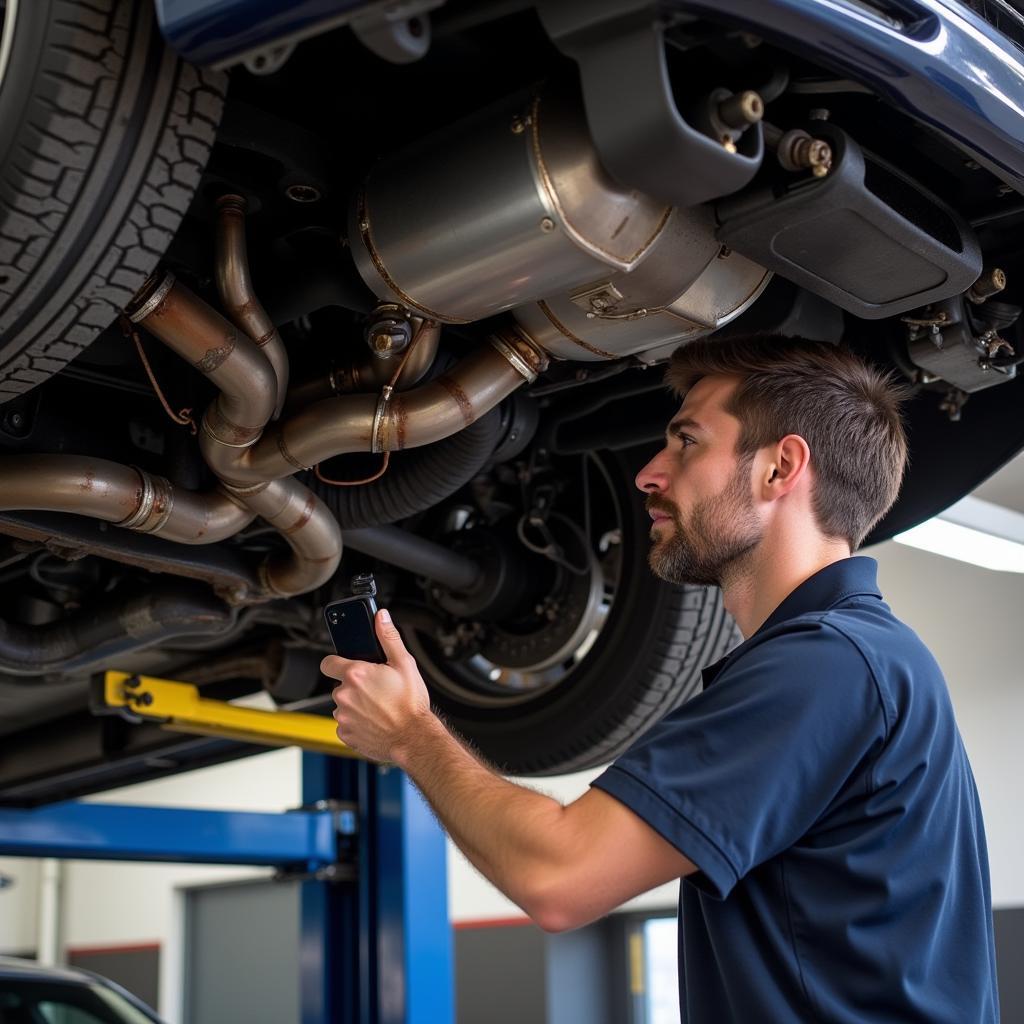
(596, 650)
(104, 134)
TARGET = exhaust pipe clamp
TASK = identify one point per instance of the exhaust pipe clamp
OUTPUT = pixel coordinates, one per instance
(152, 301)
(519, 360)
(378, 417)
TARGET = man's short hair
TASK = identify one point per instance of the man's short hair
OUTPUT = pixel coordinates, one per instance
(847, 411)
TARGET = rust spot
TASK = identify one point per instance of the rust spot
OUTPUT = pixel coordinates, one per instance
(400, 418)
(225, 429)
(461, 398)
(304, 516)
(213, 357)
(89, 482)
(282, 447)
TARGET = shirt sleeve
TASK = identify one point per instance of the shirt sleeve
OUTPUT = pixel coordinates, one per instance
(743, 770)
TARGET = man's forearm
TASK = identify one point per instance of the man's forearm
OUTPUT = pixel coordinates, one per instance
(514, 836)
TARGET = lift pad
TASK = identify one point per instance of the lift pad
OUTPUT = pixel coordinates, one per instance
(178, 707)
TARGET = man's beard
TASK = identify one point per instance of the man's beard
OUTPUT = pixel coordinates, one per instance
(711, 545)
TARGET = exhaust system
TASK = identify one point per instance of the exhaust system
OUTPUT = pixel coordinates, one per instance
(247, 362)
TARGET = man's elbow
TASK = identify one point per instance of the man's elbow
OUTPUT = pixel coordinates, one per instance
(556, 910)
(554, 920)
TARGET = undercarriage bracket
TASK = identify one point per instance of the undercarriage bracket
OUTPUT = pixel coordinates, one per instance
(179, 707)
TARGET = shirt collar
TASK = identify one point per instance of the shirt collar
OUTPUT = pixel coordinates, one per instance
(857, 575)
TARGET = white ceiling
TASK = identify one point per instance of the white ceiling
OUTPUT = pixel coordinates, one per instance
(1006, 487)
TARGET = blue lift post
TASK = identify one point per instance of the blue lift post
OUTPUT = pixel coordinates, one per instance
(379, 952)
(375, 949)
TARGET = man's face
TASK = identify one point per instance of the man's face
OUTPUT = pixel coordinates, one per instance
(699, 491)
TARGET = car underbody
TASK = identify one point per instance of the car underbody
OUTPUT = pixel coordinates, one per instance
(407, 312)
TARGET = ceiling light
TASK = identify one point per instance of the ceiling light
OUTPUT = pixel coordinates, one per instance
(973, 531)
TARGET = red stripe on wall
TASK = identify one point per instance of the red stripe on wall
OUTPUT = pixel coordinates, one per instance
(138, 947)
(492, 922)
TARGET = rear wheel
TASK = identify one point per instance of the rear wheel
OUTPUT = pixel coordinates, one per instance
(587, 661)
(104, 134)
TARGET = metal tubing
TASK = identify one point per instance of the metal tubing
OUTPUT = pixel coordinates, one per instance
(123, 495)
(337, 426)
(235, 419)
(234, 283)
(307, 525)
(416, 554)
(105, 631)
(232, 362)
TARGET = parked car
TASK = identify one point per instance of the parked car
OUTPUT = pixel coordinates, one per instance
(32, 994)
(287, 297)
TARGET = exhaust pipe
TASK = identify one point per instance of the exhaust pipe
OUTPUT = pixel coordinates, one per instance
(123, 495)
(234, 284)
(236, 418)
(233, 441)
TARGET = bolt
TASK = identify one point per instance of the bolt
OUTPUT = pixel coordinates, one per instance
(16, 420)
(992, 281)
(741, 109)
(547, 225)
(519, 124)
(382, 342)
(797, 151)
(727, 144)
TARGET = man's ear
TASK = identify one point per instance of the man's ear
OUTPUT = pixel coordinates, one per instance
(787, 464)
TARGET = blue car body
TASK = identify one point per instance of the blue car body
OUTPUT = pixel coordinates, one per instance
(937, 60)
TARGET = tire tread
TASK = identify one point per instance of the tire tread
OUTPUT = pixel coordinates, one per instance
(55, 170)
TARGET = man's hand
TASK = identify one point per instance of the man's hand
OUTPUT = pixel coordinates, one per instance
(378, 705)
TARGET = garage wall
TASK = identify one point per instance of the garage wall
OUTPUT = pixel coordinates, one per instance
(109, 903)
(972, 619)
(18, 906)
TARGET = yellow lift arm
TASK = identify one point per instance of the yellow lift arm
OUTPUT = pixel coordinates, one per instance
(178, 707)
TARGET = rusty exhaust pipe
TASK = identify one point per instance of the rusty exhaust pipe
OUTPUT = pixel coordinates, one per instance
(122, 495)
(388, 422)
(234, 284)
(235, 420)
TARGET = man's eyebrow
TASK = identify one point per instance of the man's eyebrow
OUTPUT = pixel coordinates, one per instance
(682, 423)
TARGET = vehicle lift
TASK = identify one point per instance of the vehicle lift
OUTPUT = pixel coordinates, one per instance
(375, 944)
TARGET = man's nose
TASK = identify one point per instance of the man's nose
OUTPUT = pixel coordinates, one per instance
(652, 478)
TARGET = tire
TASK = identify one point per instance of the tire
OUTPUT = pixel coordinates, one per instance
(104, 134)
(645, 662)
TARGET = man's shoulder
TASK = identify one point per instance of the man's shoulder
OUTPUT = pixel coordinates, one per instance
(857, 639)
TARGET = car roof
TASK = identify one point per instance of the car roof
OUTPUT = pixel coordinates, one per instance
(15, 967)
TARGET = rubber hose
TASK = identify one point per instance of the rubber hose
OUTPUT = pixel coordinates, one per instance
(417, 478)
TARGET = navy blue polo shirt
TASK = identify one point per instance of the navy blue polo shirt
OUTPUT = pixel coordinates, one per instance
(820, 786)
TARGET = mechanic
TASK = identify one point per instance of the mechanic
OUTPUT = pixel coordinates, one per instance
(815, 799)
